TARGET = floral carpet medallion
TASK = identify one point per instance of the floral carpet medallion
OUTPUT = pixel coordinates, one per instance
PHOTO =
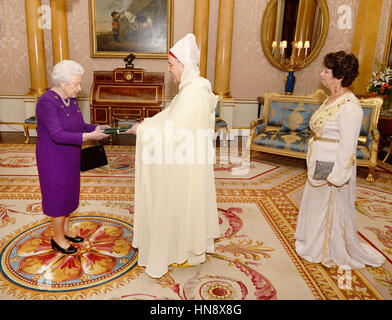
(254, 259)
(28, 261)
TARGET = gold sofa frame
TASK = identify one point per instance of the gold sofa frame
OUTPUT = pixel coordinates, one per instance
(317, 97)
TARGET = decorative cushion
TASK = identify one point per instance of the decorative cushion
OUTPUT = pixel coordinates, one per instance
(311, 107)
(220, 123)
(32, 119)
(296, 120)
(260, 128)
(363, 152)
(275, 116)
(217, 109)
(295, 141)
(367, 112)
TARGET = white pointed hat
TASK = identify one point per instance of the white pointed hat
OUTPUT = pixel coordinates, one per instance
(187, 51)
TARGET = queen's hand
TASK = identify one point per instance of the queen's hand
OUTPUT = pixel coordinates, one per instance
(102, 127)
(97, 134)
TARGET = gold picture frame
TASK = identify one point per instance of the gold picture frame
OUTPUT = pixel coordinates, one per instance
(144, 27)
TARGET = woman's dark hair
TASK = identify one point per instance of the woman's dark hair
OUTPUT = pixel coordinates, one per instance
(343, 65)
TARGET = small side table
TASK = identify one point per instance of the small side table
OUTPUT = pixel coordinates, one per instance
(385, 129)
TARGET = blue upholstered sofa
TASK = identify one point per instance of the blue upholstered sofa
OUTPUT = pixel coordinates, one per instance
(283, 128)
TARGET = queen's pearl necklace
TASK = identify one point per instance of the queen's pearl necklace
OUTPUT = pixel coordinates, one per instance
(66, 103)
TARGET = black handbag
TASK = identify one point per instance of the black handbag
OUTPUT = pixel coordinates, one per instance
(93, 157)
(322, 170)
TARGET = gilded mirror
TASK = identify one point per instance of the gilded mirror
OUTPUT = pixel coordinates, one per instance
(294, 30)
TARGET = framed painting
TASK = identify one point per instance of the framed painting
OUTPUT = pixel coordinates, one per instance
(119, 27)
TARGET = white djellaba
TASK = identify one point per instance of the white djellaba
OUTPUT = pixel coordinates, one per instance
(176, 219)
(326, 231)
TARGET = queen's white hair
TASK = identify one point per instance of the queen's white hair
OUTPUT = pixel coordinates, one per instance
(65, 70)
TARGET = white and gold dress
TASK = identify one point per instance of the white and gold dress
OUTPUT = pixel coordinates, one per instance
(327, 229)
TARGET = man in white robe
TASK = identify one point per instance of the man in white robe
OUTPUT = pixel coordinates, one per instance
(176, 218)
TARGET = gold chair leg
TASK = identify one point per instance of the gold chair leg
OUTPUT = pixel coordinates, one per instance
(221, 135)
(26, 130)
(371, 175)
(370, 178)
(389, 151)
(225, 137)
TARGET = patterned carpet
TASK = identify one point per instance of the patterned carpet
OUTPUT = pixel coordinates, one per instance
(254, 259)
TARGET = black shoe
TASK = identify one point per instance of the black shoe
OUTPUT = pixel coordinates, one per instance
(70, 249)
(74, 239)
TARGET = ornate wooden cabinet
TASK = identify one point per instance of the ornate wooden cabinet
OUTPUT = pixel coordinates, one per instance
(125, 94)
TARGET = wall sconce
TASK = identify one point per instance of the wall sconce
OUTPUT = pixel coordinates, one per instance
(294, 63)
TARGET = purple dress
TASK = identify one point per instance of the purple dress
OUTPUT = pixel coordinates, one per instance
(59, 140)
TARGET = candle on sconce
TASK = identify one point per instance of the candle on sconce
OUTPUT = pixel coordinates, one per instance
(294, 46)
(274, 46)
(306, 46)
(299, 46)
(283, 45)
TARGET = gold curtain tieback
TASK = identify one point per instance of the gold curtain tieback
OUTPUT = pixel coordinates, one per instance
(326, 139)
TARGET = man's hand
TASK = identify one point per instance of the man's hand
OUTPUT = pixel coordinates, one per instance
(133, 129)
